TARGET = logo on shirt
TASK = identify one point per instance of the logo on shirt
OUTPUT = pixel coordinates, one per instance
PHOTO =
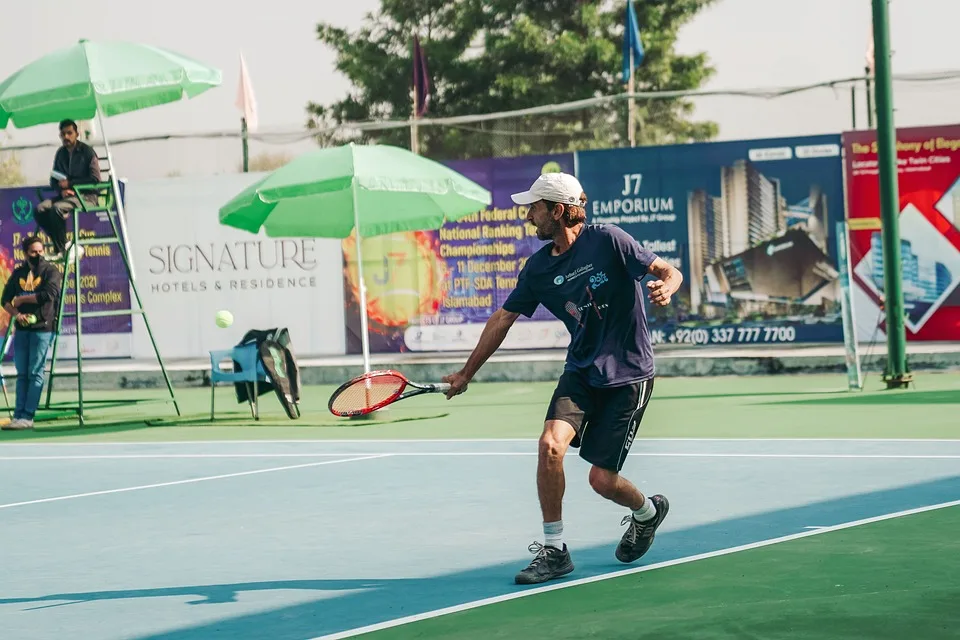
(30, 283)
(579, 271)
(598, 279)
(558, 280)
(577, 311)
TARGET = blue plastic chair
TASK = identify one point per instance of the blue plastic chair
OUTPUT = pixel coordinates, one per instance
(251, 373)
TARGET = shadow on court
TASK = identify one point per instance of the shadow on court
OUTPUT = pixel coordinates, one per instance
(947, 396)
(68, 425)
(377, 600)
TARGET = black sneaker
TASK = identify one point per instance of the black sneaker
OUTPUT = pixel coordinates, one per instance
(550, 563)
(639, 535)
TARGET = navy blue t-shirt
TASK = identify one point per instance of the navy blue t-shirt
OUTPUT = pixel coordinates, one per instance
(594, 288)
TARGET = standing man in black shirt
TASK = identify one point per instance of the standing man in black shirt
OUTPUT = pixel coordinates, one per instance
(32, 298)
(76, 163)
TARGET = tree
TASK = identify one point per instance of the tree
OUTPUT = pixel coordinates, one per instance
(487, 56)
(11, 173)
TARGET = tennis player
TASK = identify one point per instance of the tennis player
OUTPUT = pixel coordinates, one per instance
(589, 276)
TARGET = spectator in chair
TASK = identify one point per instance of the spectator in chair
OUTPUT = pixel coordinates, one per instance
(75, 163)
(32, 298)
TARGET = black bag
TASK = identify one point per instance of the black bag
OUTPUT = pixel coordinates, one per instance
(275, 353)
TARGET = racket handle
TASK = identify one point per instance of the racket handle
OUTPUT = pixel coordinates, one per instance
(442, 387)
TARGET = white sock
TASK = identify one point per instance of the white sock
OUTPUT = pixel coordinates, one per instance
(553, 534)
(646, 512)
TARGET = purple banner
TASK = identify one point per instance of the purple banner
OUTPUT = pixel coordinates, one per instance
(103, 276)
(433, 290)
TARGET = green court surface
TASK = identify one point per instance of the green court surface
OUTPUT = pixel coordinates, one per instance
(817, 406)
(799, 509)
(895, 578)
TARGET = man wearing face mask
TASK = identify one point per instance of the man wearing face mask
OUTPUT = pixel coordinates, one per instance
(32, 298)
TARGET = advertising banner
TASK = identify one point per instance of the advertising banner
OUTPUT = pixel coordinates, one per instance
(928, 167)
(750, 224)
(189, 266)
(102, 273)
(434, 290)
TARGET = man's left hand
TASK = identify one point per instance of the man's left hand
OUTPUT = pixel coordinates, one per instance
(660, 292)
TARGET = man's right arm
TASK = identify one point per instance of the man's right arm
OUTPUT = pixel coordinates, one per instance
(58, 167)
(9, 291)
(494, 332)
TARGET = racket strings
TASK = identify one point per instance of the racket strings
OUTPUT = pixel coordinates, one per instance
(367, 393)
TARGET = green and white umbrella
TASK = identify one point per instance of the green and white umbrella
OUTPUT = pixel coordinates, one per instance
(373, 189)
(91, 79)
(98, 79)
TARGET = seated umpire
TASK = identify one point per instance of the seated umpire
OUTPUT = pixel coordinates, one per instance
(78, 162)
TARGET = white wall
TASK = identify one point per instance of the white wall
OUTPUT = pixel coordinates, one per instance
(188, 266)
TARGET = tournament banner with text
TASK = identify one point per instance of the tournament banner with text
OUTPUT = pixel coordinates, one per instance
(102, 273)
(434, 290)
(928, 168)
(749, 223)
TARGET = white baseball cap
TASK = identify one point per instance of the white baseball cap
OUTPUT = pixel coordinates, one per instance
(555, 187)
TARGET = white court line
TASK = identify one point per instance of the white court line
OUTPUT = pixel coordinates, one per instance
(113, 443)
(187, 481)
(483, 454)
(17, 443)
(617, 574)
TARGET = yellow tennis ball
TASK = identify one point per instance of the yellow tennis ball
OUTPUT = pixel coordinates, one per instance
(224, 319)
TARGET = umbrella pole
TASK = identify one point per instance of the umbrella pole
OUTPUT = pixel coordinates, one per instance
(364, 333)
(121, 213)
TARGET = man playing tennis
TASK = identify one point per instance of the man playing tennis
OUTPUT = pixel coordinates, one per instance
(588, 277)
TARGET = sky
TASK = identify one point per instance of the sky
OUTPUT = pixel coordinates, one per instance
(752, 43)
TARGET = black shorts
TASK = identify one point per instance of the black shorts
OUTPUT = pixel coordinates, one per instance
(606, 419)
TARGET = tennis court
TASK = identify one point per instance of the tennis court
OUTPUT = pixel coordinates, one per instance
(196, 532)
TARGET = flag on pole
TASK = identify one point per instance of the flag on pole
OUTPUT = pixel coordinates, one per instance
(246, 101)
(631, 42)
(421, 79)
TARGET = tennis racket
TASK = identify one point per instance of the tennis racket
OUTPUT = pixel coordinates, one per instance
(375, 390)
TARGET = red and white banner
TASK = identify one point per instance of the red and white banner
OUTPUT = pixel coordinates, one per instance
(928, 162)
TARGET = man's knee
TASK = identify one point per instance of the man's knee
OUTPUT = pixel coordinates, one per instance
(603, 481)
(45, 206)
(555, 439)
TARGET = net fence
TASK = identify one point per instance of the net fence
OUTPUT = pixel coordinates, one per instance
(825, 107)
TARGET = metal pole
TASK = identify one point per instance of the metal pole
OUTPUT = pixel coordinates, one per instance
(74, 257)
(121, 214)
(853, 106)
(896, 374)
(414, 133)
(869, 100)
(364, 336)
(414, 142)
(631, 135)
(246, 147)
(143, 314)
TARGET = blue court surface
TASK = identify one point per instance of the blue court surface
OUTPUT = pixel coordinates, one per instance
(310, 539)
